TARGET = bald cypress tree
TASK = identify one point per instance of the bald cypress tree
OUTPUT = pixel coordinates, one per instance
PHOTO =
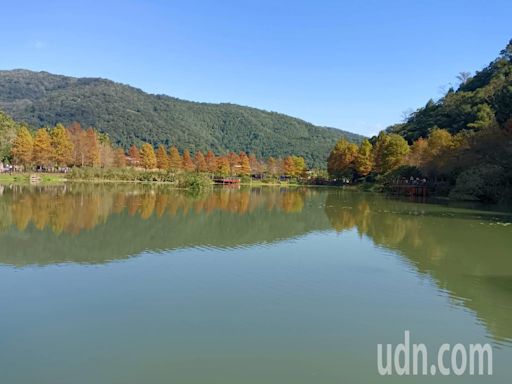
(43, 151)
(22, 147)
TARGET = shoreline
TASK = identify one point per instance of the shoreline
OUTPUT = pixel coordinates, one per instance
(53, 178)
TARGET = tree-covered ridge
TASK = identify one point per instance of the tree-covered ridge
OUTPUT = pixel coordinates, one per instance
(480, 101)
(462, 142)
(131, 116)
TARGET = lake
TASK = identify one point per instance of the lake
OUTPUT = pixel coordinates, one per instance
(143, 284)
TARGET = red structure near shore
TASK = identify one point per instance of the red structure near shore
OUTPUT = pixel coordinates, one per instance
(228, 180)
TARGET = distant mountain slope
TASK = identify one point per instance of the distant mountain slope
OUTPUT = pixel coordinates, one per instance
(130, 115)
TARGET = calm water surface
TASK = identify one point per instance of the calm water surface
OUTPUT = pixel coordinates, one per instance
(124, 284)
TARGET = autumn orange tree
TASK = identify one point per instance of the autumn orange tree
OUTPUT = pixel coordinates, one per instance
(364, 158)
(119, 158)
(77, 135)
(147, 156)
(245, 166)
(162, 160)
(174, 159)
(134, 156)
(223, 168)
(211, 162)
(42, 150)
(257, 166)
(272, 167)
(340, 162)
(91, 148)
(187, 163)
(62, 146)
(234, 162)
(200, 162)
(22, 147)
(390, 152)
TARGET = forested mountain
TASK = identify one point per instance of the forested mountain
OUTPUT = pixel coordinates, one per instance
(131, 116)
(460, 144)
(480, 101)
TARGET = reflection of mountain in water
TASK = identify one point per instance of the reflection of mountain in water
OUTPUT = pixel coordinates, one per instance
(466, 252)
(95, 224)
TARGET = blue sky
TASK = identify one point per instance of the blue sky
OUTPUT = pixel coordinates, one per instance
(355, 65)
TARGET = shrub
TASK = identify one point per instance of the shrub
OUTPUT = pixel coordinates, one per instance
(194, 181)
(485, 182)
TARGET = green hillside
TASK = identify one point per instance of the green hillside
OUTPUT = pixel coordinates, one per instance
(130, 115)
(480, 101)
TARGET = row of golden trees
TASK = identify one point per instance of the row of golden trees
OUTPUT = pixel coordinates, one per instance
(74, 146)
(434, 155)
(225, 165)
(61, 147)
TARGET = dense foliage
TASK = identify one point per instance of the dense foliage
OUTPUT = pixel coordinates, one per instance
(8, 129)
(128, 116)
(463, 140)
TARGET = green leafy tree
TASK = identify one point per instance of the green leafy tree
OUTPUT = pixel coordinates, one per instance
(8, 130)
(484, 117)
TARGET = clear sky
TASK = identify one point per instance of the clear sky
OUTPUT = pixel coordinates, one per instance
(355, 65)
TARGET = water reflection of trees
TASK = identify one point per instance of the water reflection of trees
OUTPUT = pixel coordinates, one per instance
(465, 251)
(72, 209)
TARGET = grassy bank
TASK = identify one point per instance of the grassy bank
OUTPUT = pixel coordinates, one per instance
(180, 180)
(24, 178)
(193, 181)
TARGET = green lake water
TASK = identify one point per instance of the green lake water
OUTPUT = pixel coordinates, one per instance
(127, 284)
